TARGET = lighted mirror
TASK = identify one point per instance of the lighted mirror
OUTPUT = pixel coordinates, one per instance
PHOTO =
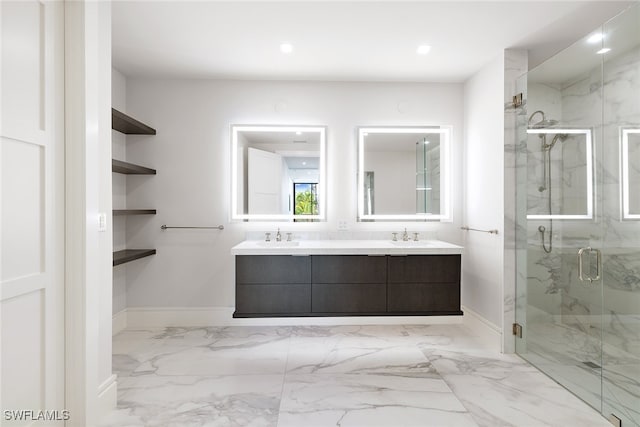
(278, 173)
(559, 174)
(630, 162)
(403, 173)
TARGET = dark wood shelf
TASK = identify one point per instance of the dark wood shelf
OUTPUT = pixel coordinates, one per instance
(128, 255)
(119, 166)
(119, 212)
(128, 125)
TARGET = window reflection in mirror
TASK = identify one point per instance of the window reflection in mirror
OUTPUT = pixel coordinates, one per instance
(278, 173)
(403, 173)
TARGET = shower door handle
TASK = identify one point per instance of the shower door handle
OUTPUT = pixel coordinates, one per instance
(598, 264)
(580, 269)
(581, 276)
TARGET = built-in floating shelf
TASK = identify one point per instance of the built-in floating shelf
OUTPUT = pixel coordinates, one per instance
(128, 125)
(119, 166)
(128, 255)
(119, 212)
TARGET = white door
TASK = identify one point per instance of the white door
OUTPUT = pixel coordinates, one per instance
(31, 212)
(264, 182)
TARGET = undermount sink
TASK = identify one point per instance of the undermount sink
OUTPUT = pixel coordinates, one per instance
(275, 244)
(410, 243)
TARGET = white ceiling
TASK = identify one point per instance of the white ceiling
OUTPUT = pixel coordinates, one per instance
(340, 41)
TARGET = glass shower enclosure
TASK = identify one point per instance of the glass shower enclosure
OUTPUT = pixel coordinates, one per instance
(578, 220)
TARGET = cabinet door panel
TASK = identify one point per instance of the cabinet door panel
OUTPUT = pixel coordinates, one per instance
(349, 269)
(276, 269)
(424, 297)
(424, 269)
(349, 298)
(273, 299)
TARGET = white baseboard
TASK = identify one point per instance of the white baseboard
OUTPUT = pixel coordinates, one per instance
(119, 321)
(483, 328)
(162, 317)
(107, 396)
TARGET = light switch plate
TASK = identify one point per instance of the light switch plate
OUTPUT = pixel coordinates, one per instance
(343, 225)
(102, 222)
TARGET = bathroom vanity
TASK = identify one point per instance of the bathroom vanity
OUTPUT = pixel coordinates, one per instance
(347, 278)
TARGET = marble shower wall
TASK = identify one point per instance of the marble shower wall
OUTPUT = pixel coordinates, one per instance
(579, 108)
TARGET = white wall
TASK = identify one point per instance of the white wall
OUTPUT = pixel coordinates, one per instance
(482, 277)
(90, 386)
(191, 154)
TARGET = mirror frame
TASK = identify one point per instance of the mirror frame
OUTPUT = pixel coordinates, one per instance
(624, 173)
(322, 184)
(445, 177)
(589, 155)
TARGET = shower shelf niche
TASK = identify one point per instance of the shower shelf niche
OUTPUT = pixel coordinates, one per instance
(129, 126)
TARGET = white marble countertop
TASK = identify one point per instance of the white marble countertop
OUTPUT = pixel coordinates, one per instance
(346, 247)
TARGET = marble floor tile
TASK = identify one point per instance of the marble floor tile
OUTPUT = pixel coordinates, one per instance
(471, 362)
(247, 400)
(304, 376)
(521, 399)
(234, 356)
(369, 400)
(504, 390)
(559, 350)
(356, 355)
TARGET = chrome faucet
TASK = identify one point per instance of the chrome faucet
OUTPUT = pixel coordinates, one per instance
(278, 236)
(405, 236)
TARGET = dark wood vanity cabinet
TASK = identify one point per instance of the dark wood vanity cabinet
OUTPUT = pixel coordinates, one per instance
(424, 283)
(347, 285)
(273, 285)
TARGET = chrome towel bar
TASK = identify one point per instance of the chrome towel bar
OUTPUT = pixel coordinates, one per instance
(482, 231)
(219, 227)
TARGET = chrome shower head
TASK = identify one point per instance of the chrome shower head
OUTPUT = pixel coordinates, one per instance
(543, 123)
(560, 136)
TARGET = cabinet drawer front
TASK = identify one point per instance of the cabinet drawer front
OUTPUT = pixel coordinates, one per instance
(276, 269)
(424, 269)
(348, 269)
(273, 299)
(423, 297)
(349, 298)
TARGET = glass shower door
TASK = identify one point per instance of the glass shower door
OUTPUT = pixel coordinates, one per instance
(578, 222)
(621, 209)
(559, 283)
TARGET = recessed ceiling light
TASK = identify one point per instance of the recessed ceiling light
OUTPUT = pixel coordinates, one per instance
(304, 163)
(298, 133)
(286, 48)
(595, 38)
(423, 49)
(603, 50)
